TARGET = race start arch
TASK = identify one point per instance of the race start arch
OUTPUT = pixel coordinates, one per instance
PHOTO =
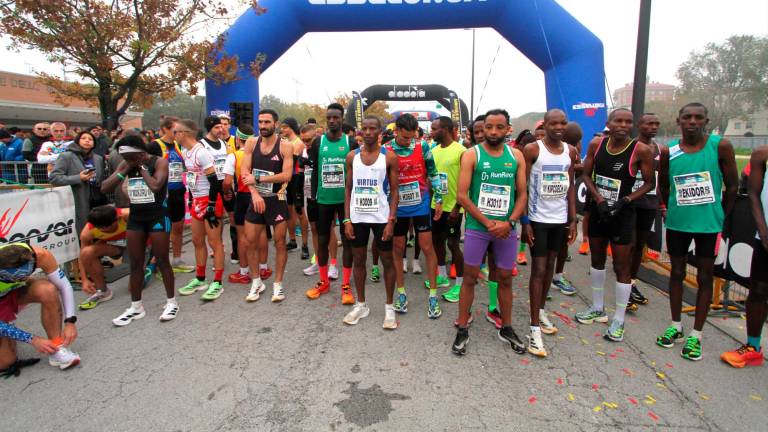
(570, 56)
(382, 92)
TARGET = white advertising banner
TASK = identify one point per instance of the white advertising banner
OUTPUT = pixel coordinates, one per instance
(43, 218)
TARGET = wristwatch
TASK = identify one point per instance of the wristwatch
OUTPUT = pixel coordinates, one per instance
(71, 320)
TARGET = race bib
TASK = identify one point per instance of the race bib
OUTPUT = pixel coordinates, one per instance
(139, 192)
(218, 165)
(265, 189)
(175, 171)
(639, 183)
(410, 194)
(694, 189)
(119, 243)
(366, 199)
(554, 185)
(494, 199)
(442, 188)
(191, 180)
(307, 181)
(608, 188)
(333, 176)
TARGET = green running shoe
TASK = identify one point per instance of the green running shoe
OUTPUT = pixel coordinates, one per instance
(192, 287)
(401, 303)
(670, 336)
(692, 349)
(443, 282)
(452, 295)
(590, 315)
(433, 310)
(214, 291)
(615, 332)
(98, 297)
(375, 274)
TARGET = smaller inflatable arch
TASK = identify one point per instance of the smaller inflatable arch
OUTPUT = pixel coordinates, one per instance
(570, 56)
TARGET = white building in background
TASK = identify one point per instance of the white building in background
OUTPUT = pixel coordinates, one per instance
(754, 125)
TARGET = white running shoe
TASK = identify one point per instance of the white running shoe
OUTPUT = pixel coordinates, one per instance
(312, 270)
(64, 358)
(170, 311)
(253, 294)
(361, 310)
(405, 265)
(333, 272)
(128, 316)
(278, 294)
(536, 345)
(416, 267)
(390, 319)
(546, 325)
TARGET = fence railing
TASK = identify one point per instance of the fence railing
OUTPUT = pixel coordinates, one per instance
(24, 172)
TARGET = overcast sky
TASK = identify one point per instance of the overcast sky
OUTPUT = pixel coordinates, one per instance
(514, 83)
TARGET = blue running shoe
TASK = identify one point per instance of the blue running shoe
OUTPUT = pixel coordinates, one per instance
(434, 311)
(401, 303)
(565, 286)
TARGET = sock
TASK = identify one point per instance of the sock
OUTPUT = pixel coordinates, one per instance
(598, 281)
(244, 271)
(58, 341)
(696, 334)
(172, 300)
(459, 280)
(493, 296)
(200, 273)
(361, 304)
(323, 273)
(754, 342)
(543, 313)
(622, 298)
(401, 290)
(277, 286)
(346, 273)
(333, 261)
(176, 262)
(314, 259)
(535, 329)
(557, 277)
(217, 275)
(678, 325)
(442, 271)
(135, 305)
(432, 292)
(255, 282)
(263, 266)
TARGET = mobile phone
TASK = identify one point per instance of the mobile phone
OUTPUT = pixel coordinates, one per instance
(89, 170)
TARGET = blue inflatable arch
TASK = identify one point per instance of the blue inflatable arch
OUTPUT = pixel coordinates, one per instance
(570, 56)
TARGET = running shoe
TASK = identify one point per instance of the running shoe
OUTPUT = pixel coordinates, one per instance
(147, 276)
(375, 274)
(745, 355)
(411, 241)
(405, 265)
(669, 337)
(192, 287)
(297, 231)
(521, 259)
(515, 271)
(179, 266)
(494, 317)
(312, 270)
(452, 295)
(255, 292)
(107, 263)
(546, 325)
(347, 298)
(635, 296)
(568, 257)
(265, 273)
(215, 289)
(170, 311)
(433, 310)
(508, 335)
(64, 358)
(98, 297)
(291, 245)
(442, 281)
(615, 332)
(319, 289)
(652, 255)
(565, 286)
(361, 310)
(401, 303)
(304, 253)
(333, 272)
(469, 321)
(590, 315)
(584, 248)
(128, 316)
(631, 307)
(536, 344)
(239, 278)
(390, 320)
(233, 258)
(416, 267)
(459, 346)
(278, 294)
(692, 349)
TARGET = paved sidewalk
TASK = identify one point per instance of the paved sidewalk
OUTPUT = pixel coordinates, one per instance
(294, 366)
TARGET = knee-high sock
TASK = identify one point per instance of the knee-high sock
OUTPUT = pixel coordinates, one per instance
(598, 282)
(622, 297)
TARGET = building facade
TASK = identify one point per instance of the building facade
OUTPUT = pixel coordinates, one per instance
(654, 92)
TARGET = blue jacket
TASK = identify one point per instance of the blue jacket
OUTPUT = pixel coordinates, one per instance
(13, 150)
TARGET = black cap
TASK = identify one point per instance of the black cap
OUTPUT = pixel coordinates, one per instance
(291, 123)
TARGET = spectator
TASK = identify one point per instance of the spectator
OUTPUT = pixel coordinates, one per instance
(50, 150)
(40, 134)
(12, 153)
(83, 170)
(102, 140)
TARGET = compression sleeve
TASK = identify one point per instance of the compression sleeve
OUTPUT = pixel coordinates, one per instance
(59, 279)
(215, 189)
(10, 331)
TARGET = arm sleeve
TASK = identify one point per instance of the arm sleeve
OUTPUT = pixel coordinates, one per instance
(314, 156)
(58, 278)
(12, 332)
(215, 188)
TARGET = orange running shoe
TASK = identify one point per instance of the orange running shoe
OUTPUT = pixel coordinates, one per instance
(745, 355)
(346, 295)
(319, 289)
(584, 248)
(515, 272)
(521, 259)
(652, 255)
(239, 278)
(452, 272)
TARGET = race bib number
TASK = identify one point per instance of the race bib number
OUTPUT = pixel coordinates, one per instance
(554, 185)
(410, 194)
(442, 188)
(119, 243)
(175, 171)
(139, 192)
(639, 183)
(694, 189)
(333, 176)
(218, 165)
(608, 188)
(307, 181)
(494, 199)
(265, 189)
(191, 180)
(366, 199)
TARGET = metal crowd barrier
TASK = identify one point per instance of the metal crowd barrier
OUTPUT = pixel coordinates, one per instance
(24, 172)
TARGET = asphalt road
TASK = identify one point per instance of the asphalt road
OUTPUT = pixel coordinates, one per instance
(294, 366)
